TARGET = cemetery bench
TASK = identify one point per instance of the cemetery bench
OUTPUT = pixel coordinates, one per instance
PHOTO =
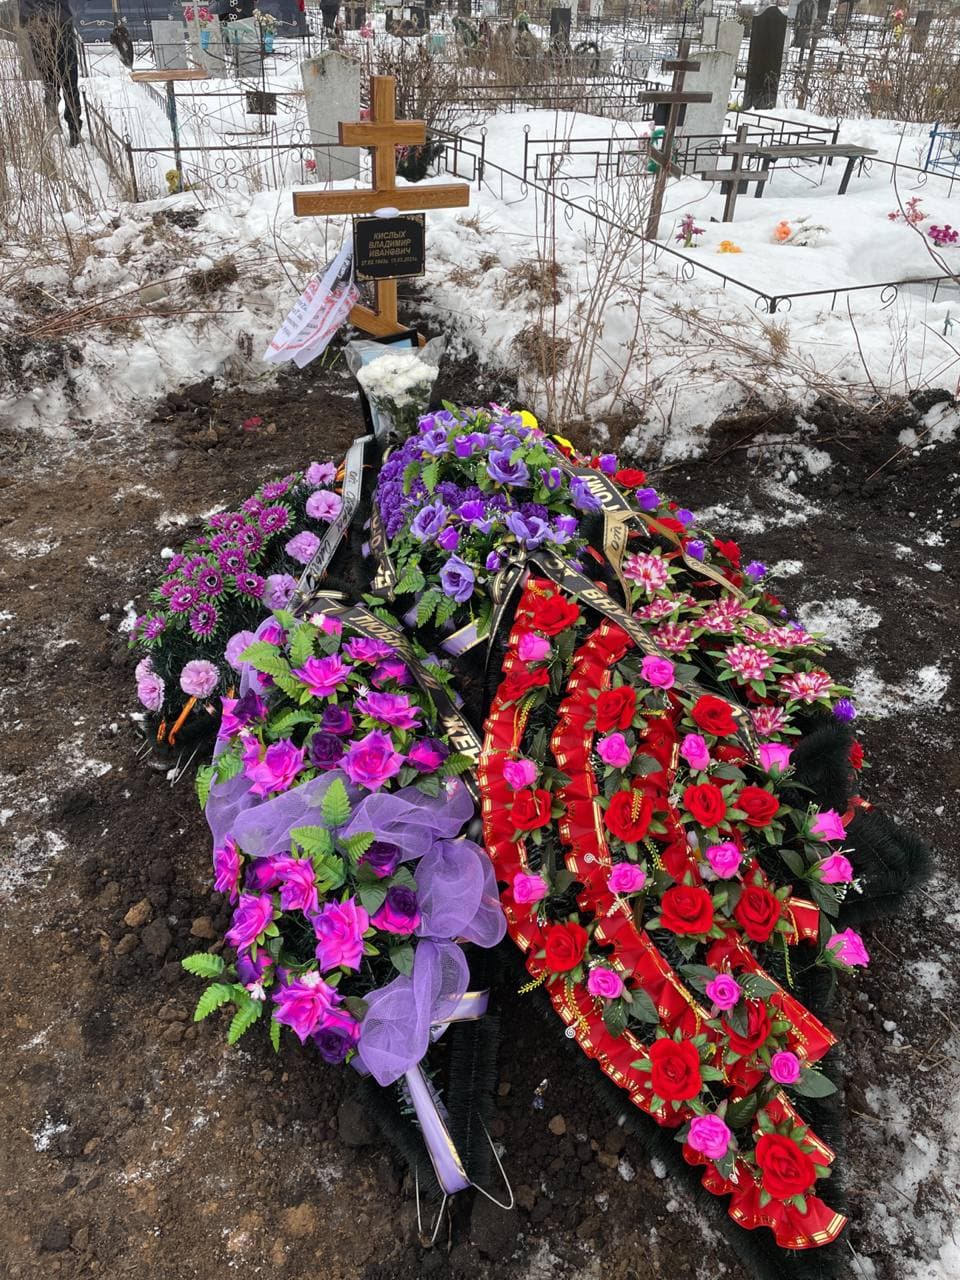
(816, 151)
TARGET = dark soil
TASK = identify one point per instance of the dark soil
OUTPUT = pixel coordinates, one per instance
(136, 1143)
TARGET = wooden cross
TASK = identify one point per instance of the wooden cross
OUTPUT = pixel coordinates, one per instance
(675, 97)
(382, 134)
(733, 182)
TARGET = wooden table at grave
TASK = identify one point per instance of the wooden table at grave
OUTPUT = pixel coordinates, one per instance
(382, 134)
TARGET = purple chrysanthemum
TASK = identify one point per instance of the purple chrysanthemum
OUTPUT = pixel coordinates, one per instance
(275, 489)
(210, 582)
(203, 621)
(154, 627)
(182, 600)
(249, 584)
(232, 561)
(250, 539)
(273, 519)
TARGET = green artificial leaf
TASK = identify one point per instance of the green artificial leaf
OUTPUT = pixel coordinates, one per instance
(372, 897)
(279, 726)
(328, 871)
(203, 781)
(446, 609)
(455, 764)
(294, 690)
(737, 1018)
(356, 1007)
(265, 657)
(203, 965)
(644, 765)
(314, 841)
(402, 958)
(615, 1016)
(214, 996)
(336, 804)
(430, 785)
(642, 1007)
(740, 1113)
(412, 580)
(698, 975)
(244, 1019)
(814, 1084)
(757, 987)
(356, 846)
(228, 766)
(825, 898)
(426, 606)
(275, 1035)
(431, 473)
(301, 643)
(794, 861)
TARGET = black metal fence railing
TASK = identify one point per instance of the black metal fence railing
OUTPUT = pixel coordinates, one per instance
(116, 152)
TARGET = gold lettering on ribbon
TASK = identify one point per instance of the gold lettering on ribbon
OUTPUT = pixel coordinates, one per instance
(385, 577)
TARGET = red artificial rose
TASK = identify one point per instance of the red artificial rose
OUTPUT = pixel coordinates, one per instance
(786, 1169)
(730, 754)
(628, 815)
(616, 708)
(520, 681)
(630, 477)
(757, 912)
(553, 614)
(530, 809)
(729, 549)
(686, 908)
(565, 945)
(856, 755)
(675, 1070)
(713, 715)
(668, 522)
(706, 803)
(759, 806)
(758, 1030)
(725, 953)
(676, 859)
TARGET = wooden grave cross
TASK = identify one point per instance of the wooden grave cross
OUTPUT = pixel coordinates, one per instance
(675, 98)
(733, 182)
(382, 134)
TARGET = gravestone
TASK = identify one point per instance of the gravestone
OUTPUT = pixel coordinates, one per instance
(331, 87)
(803, 24)
(823, 11)
(560, 22)
(637, 59)
(706, 119)
(206, 46)
(243, 36)
(921, 30)
(169, 49)
(764, 60)
(730, 36)
(710, 30)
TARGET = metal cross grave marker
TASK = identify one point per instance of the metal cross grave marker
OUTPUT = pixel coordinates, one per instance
(674, 98)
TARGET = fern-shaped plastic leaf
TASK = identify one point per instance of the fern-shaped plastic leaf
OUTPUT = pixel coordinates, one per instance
(446, 609)
(456, 763)
(228, 766)
(203, 782)
(431, 473)
(265, 657)
(280, 726)
(275, 1035)
(356, 846)
(328, 871)
(336, 804)
(426, 607)
(244, 1019)
(214, 996)
(301, 643)
(203, 965)
(314, 841)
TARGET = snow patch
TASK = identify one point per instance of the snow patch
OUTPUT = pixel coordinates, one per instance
(842, 619)
(916, 692)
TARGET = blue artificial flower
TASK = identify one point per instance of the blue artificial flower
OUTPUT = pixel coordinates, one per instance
(696, 548)
(755, 570)
(581, 496)
(428, 521)
(457, 580)
(844, 710)
(504, 471)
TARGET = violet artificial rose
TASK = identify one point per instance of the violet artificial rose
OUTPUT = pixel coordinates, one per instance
(394, 709)
(372, 761)
(774, 756)
(336, 719)
(427, 755)
(400, 913)
(848, 947)
(322, 676)
(658, 672)
(281, 763)
(339, 928)
(382, 858)
(836, 869)
(251, 916)
(227, 862)
(785, 1067)
(303, 1004)
(828, 825)
(298, 884)
(533, 648)
(337, 1034)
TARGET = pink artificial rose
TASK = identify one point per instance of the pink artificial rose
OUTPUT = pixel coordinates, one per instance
(724, 991)
(848, 947)
(372, 761)
(828, 825)
(532, 648)
(227, 863)
(658, 672)
(281, 763)
(400, 912)
(694, 751)
(626, 878)
(615, 750)
(528, 888)
(519, 774)
(250, 918)
(605, 983)
(835, 870)
(298, 885)
(774, 755)
(710, 1136)
(339, 929)
(303, 1004)
(322, 676)
(785, 1067)
(724, 859)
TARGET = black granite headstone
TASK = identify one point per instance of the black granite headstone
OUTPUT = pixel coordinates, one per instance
(803, 24)
(823, 11)
(560, 22)
(764, 60)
